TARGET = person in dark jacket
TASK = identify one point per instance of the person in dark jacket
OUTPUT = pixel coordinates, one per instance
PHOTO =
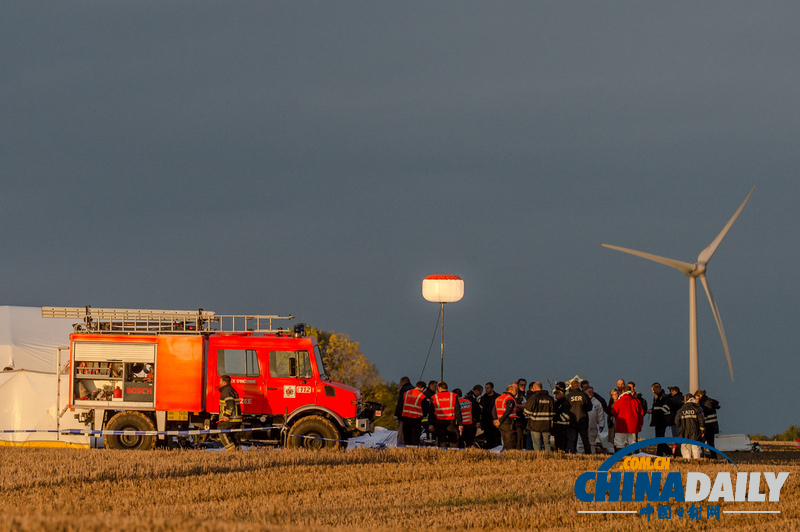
(539, 410)
(430, 391)
(471, 429)
(560, 428)
(405, 385)
(230, 414)
(579, 407)
(519, 397)
(675, 403)
(659, 416)
(675, 399)
(691, 423)
(474, 396)
(487, 406)
(710, 407)
(505, 417)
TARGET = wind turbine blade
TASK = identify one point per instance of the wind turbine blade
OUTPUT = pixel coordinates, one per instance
(719, 322)
(707, 253)
(684, 267)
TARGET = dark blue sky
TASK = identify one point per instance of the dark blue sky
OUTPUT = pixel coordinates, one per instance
(323, 158)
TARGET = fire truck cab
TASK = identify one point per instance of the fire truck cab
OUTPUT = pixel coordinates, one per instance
(153, 370)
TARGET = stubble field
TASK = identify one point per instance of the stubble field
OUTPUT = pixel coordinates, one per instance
(93, 490)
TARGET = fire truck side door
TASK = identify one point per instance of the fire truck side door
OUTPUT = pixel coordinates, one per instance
(247, 375)
(290, 383)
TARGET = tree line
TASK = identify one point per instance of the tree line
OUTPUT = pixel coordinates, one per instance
(790, 434)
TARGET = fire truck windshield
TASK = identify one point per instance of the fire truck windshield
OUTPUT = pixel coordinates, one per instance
(320, 364)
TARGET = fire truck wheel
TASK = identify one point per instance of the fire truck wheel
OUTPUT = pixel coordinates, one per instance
(308, 433)
(130, 421)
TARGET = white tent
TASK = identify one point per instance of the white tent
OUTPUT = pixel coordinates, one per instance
(28, 401)
(29, 393)
(28, 341)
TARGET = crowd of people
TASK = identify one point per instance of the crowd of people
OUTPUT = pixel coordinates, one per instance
(525, 417)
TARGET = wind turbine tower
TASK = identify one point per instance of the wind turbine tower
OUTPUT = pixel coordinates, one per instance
(693, 271)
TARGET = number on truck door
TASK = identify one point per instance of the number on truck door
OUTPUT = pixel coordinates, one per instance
(291, 381)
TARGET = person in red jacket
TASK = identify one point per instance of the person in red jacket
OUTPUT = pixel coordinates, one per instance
(629, 415)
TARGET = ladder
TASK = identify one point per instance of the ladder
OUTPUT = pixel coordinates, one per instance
(144, 321)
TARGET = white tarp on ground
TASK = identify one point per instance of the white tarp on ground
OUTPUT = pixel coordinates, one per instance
(28, 401)
(380, 437)
(28, 341)
(733, 442)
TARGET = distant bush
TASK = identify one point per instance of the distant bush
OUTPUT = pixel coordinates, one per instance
(790, 434)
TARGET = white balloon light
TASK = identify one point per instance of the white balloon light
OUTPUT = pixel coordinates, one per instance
(443, 289)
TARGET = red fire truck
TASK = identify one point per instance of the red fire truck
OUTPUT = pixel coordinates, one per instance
(159, 370)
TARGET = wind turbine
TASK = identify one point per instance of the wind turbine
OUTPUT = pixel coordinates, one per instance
(693, 271)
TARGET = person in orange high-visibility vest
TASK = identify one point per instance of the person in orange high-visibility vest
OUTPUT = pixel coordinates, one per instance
(468, 420)
(505, 417)
(412, 410)
(445, 417)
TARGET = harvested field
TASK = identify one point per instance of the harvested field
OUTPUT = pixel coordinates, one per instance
(92, 490)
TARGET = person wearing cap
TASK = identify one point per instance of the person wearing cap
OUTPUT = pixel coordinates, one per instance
(710, 407)
(560, 428)
(505, 417)
(691, 422)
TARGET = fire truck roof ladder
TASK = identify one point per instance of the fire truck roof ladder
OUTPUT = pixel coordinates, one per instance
(143, 321)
